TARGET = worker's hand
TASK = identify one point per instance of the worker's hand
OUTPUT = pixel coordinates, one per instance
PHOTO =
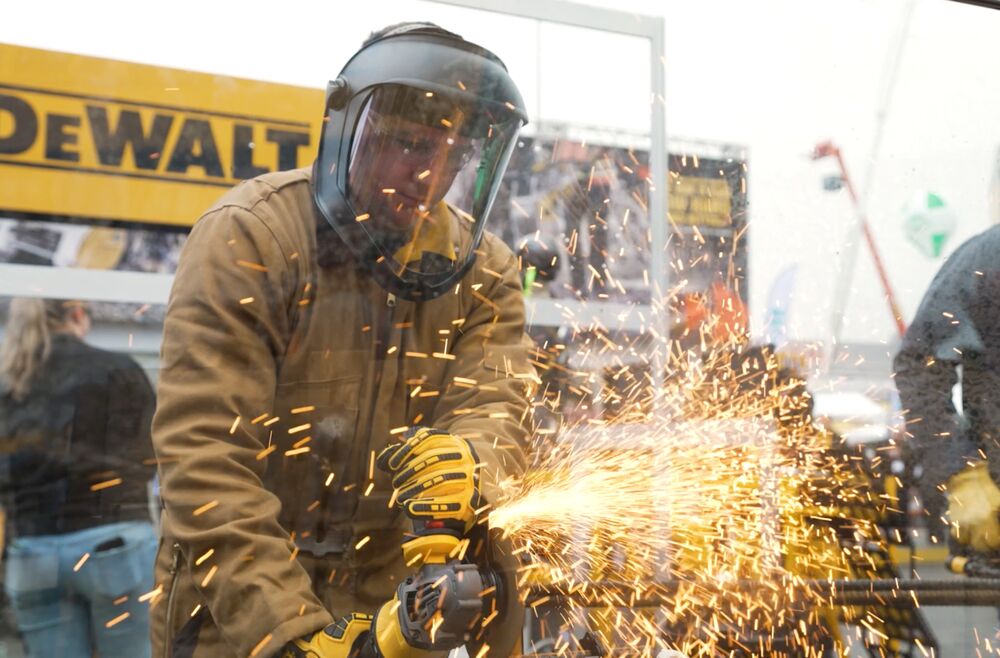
(436, 478)
(974, 508)
(351, 636)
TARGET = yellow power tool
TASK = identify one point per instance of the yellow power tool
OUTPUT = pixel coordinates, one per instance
(438, 609)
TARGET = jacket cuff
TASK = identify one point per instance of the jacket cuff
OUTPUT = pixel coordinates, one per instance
(271, 644)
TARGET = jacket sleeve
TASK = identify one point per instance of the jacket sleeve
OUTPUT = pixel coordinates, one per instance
(486, 399)
(226, 328)
(942, 335)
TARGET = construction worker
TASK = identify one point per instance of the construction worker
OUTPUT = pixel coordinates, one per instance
(321, 318)
(955, 338)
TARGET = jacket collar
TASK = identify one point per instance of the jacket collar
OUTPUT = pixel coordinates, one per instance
(330, 249)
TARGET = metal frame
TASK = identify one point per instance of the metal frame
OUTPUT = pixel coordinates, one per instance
(888, 592)
(551, 312)
(86, 285)
(637, 318)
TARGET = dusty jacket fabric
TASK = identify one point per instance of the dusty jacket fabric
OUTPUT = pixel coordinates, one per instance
(282, 378)
(957, 324)
(85, 421)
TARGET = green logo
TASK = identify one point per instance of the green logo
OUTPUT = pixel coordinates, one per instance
(929, 223)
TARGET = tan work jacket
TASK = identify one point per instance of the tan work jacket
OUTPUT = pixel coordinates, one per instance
(285, 370)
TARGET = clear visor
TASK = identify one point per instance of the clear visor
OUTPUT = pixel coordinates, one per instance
(422, 175)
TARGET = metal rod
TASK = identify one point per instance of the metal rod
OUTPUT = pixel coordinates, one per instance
(888, 593)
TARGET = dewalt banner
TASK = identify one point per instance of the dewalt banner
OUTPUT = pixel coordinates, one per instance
(94, 138)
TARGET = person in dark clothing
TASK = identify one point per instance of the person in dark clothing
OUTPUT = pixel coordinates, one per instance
(75, 463)
(589, 211)
(955, 339)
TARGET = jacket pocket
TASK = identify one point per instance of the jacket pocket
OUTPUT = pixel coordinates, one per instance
(32, 585)
(319, 405)
(30, 570)
(320, 400)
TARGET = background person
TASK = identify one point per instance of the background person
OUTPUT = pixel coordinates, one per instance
(75, 462)
(955, 339)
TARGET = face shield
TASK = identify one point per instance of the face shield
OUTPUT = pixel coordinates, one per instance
(421, 177)
(409, 179)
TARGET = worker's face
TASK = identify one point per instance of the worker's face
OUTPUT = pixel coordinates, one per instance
(401, 168)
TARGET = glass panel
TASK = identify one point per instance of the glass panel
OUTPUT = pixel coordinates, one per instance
(779, 451)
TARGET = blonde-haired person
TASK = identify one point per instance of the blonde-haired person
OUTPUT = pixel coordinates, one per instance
(75, 460)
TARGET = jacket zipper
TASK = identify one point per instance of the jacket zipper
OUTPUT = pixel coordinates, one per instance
(358, 459)
(382, 340)
(169, 622)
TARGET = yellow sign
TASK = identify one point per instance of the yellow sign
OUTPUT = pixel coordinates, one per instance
(699, 201)
(101, 139)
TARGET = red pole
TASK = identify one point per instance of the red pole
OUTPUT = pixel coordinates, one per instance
(828, 149)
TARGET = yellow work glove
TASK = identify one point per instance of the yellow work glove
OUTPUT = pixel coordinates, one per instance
(974, 508)
(347, 637)
(436, 479)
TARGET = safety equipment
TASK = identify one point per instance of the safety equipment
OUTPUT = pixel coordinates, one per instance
(436, 610)
(437, 481)
(439, 609)
(418, 131)
(974, 508)
(351, 636)
(460, 588)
